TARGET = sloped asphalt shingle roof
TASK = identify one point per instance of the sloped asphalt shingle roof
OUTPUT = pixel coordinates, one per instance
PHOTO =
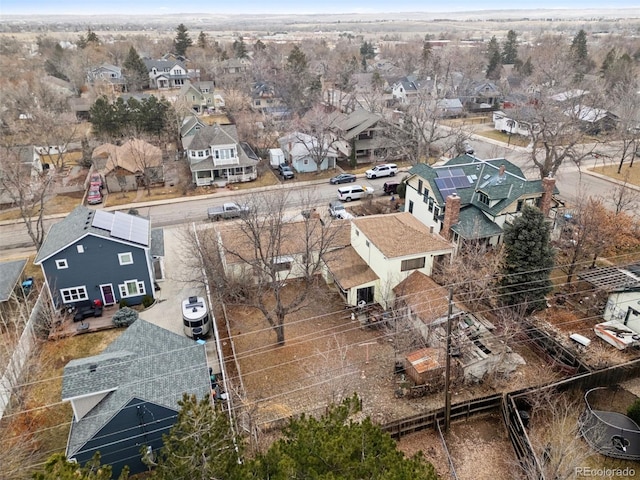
(9, 275)
(73, 227)
(348, 268)
(384, 232)
(145, 362)
(506, 188)
(428, 300)
(215, 134)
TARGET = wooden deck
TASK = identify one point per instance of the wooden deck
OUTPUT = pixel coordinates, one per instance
(68, 327)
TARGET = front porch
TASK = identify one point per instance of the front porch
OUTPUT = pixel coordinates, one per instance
(222, 176)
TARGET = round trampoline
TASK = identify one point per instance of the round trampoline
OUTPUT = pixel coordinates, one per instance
(610, 433)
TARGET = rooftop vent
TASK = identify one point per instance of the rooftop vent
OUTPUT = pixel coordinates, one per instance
(93, 367)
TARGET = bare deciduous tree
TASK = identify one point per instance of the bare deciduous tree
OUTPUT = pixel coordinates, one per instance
(27, 187)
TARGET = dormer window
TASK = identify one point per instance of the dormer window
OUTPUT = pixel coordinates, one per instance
(483, 198)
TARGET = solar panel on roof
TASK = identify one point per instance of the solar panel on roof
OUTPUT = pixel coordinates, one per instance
(131, 228)
(103, 220)
(457, 172)
(460, 182)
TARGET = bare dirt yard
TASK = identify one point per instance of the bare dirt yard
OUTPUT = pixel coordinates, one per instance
(328, 356)
(479, 447)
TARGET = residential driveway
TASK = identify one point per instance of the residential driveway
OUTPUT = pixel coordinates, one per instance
(167, 311)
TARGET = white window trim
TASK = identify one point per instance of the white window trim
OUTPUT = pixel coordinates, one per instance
(62, 263)
(124, 291)
(68, 294)
(122, 258)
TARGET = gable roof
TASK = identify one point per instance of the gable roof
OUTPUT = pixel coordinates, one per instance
(482, 176)
(10, 273)
(347, 268)
(354, 123)
(162, 65)
(426, 299)
(215, 134)
(382, 230)
(303, 145)
(81, 222)
(145, 362)
(292, 240)
(133, 156)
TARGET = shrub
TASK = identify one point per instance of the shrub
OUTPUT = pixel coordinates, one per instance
(123, 303)
(147, 301)
(633, 412)
(125, 317)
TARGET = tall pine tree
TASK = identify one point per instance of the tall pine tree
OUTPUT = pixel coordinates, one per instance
(199, 445)
(495, 59)
(510, 48)
(135, 71)
(528, 262)
(182, 40)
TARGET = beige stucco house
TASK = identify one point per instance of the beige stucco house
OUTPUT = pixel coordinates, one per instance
(383, 251)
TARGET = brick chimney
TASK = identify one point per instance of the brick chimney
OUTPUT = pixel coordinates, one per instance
(548, 185)
(501, 171)
(451, 214)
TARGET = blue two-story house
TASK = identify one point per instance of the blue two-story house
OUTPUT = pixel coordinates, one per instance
(99, 255)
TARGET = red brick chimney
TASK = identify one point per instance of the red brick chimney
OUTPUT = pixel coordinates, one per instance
(451, 214)
(548, 185)
(501, 171)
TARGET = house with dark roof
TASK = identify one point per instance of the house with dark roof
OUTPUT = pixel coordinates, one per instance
(266, 100)
(360, 130)
(215, 157)
(472, 199)
(379, 257)
(168, 73)
(405, 89)
(201, 96)
(127, 397)
(10, 274)
(107, 75)
(99, 255)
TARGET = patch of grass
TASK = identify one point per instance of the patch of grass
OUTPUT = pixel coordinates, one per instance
(62, 203)
(44, 413)
(518, 140)
(627, 174)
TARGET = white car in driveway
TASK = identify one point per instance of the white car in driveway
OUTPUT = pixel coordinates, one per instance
(382, 170)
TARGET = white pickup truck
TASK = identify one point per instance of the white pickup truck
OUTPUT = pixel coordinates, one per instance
(227, 210)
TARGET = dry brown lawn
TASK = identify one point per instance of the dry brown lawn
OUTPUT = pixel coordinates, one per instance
(504, 137)
(627, 174)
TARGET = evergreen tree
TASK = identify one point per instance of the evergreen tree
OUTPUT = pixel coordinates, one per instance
(578, 48)
(495, 59)
(259, 46)
(526, 69)
(92, 37)
(367, 52)
(135, 71)
(240, 48)
(199, 445)
(297, 63)
(203, 40)
(335, 446)
(510, 48)
(425, 56)
(182, 40)
(528, 261)
(58, 467)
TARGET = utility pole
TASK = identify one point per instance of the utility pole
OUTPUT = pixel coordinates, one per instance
(447, 371)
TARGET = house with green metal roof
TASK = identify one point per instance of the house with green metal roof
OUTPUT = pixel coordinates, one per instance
(472, 199)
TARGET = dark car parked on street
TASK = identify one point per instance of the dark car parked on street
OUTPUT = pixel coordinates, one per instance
(342, 178)
(390, 188)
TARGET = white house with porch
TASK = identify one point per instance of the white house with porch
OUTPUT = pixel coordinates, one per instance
(216, 158)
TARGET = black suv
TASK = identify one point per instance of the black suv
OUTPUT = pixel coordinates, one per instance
(390, 188)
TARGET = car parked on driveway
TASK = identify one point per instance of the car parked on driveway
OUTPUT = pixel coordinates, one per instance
(342, 178)
(354, 192)
(285, 171)
(95, 181)
(94, 196)
(382, 170)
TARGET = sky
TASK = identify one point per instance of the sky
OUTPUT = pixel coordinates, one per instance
(155, 7)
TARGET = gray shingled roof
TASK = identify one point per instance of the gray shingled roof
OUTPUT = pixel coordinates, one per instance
(9, 275)
(157, 242)
(146, 362)
(73, 227)
(213, 135)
